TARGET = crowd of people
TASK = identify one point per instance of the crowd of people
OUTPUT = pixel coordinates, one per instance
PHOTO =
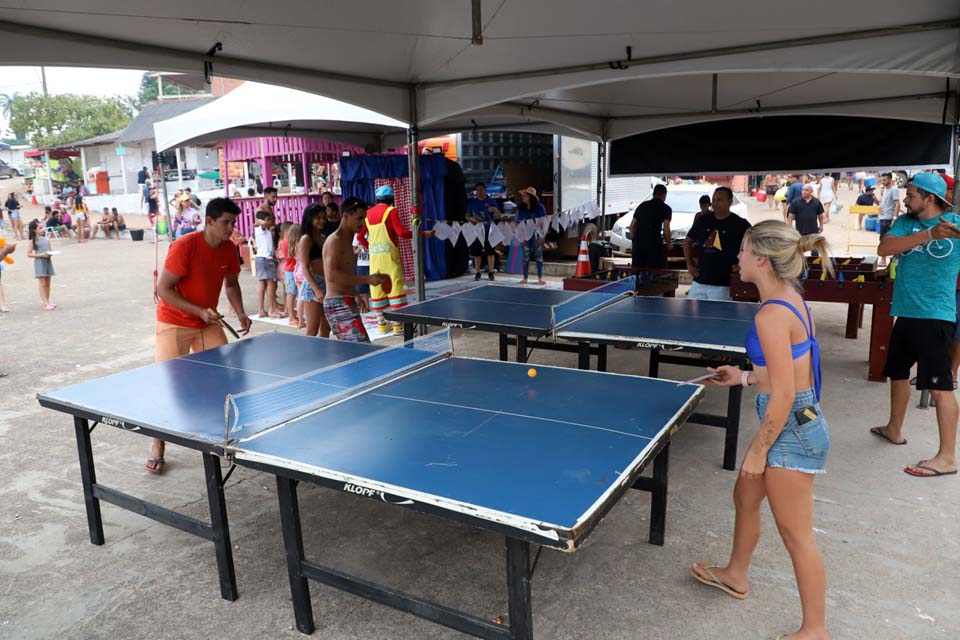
(68, 217)
(341, 261)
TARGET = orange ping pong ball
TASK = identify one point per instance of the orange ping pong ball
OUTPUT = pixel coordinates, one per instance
(532, 372)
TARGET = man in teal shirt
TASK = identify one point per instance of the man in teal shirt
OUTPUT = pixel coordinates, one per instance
(927, 241)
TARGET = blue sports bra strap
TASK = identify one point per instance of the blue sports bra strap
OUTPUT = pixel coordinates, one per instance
(784, 303)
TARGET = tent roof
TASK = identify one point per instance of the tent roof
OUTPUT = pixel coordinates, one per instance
(523, 64)
(141, 128)
(255, 109)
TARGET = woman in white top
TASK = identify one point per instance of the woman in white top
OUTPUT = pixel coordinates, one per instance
(826, 195)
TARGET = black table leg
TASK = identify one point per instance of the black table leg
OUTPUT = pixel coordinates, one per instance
(658, 499)
(521, 348)
(220, 527)
(518, 589)
(733, 428)
(504, 343)
(408, 328)
(88, 477)
(583, 356)
(293, 543)
(601, 357)
(654, 363)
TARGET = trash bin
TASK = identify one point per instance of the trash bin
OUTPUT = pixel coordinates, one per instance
(136, 235)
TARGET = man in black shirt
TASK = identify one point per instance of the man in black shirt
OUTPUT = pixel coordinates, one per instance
(650, 231)
(807, 212)
(718, 235)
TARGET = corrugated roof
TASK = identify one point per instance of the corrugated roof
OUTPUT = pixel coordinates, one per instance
(106, 138)
(142, 126)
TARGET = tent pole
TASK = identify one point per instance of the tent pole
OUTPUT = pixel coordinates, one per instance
(956, 152)
(602, 188)
(416, 222)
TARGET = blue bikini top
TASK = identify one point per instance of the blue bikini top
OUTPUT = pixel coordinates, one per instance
(755, 351)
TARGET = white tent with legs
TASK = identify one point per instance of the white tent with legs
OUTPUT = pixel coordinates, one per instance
(603, 70)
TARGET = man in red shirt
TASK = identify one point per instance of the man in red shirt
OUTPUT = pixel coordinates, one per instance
(196, 267)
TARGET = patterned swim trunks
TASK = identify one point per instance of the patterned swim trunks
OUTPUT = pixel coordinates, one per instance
(344, 318)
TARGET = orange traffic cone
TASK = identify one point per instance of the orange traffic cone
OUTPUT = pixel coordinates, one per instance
(33, 201)
(583, 258)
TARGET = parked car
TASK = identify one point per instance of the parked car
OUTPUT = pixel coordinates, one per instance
(684, 199)
(6, 171)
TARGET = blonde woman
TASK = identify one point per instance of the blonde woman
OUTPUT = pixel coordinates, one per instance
(790, 448)
(81, 218)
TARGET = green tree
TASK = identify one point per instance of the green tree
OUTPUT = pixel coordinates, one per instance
(6, 100)
(150, 89)
(65, 118)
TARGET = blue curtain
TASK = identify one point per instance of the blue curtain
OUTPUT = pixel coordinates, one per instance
(357, 178)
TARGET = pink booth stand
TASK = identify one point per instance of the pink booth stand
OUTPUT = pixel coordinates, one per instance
(302, 153)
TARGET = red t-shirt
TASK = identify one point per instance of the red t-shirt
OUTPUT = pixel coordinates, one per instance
(394, 225)
(201, 269)
(289, 263)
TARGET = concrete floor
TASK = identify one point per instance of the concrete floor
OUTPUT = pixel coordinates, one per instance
(890, 542)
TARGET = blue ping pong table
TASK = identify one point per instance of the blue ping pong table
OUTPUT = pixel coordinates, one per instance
(526, 459)
(517, 314)
(674, 330)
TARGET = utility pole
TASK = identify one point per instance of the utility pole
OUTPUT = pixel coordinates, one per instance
(43, 80)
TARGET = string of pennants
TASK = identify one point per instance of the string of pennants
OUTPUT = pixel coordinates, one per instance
(506, 232)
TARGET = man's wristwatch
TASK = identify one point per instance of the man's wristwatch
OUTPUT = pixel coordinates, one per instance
(744, 378)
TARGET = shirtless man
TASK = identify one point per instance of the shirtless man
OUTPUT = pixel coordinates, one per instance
(105, 224)
(340, 303)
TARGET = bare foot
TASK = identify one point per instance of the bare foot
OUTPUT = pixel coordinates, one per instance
(294, 323)
(49, 307)
(277, 314)
(524, 281)
(541, 282)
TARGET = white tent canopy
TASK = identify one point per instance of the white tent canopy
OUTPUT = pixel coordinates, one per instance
(254, 109)
(530, 65)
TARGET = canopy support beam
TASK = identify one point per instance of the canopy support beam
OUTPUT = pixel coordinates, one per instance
(758, 47)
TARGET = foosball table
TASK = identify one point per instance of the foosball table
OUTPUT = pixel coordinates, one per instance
(857, 282)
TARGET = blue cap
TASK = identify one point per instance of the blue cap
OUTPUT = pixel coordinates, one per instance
(931, 183)
(386, 191)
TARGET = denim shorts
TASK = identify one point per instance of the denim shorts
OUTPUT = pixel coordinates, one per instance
(307, 293)
(14, 213)
(266, 268)
(799, 447)
(708, 292)
(289, 284)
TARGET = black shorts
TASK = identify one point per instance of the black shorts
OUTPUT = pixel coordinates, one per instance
(481, 248)
(885, 226)
(927, 344)
(649, 258)
(772, 189)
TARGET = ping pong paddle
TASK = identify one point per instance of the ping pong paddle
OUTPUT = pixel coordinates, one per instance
(386, 283)
(706, 376)
(223, 323)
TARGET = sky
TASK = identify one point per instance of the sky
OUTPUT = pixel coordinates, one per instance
(83, 81)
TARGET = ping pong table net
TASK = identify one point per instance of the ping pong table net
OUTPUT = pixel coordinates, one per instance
(256, 411)
(590, 301)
